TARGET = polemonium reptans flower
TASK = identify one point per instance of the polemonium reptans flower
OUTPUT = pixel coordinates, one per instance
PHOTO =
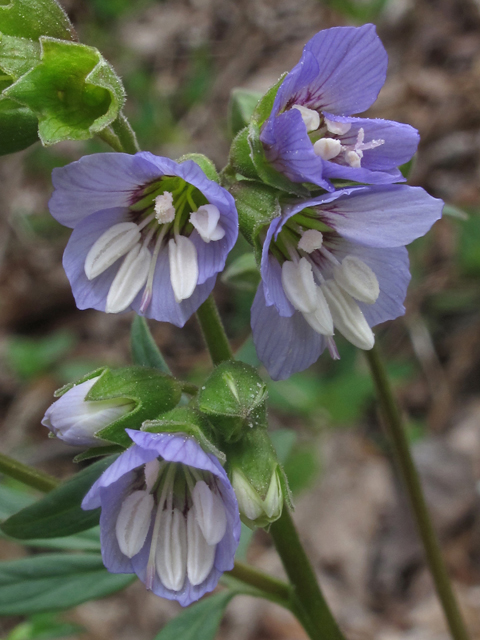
(335, 262)
(76, 420)
(310, 135)
(149, 234)
(169, 514)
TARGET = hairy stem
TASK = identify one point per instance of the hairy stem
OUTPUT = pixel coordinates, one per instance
(126, 135)
(28, 475)
(213, 331)
(394, 425)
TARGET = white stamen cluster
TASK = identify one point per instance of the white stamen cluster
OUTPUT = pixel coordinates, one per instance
(131, 241)
(331, 303)
(185, 531)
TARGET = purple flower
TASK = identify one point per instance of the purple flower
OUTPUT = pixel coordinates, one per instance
(337, 261)
(149, 234)
(310, 135)
(169, 514)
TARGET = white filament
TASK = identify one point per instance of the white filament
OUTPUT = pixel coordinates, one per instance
(182, 256)
(171, 552)
(129, 280)
(299, 285)
(210, 512)
(110, 246)
(200, 555)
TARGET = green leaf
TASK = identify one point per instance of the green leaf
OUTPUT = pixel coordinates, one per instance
(29, 357)
(242, 273)
(55, 581)
(265, 105)
(59, 513)
(240, 109)
(200, 621)
(73, 91)
(34, 18)
(18, 127)
(44, 626)
(144, 348)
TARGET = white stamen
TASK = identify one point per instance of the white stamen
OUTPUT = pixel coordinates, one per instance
(327, 148)
(310, 117)
(210, 512)
(249, 502)
(205, 220)
(311, 240)
(347, 316)
(129, 280)
(299, 285)
(114, 243)
(171, 553)
(164, 209)
(200, 555)
(133, 522)
(353, 159)
(151, 471)
(357, 278)
(182, 256)
(321, 319)
(338, 128)
(148, 291)
(273, 502)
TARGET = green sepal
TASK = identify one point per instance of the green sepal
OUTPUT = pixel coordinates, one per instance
(73, 91)
(59, 513)
(267, 173)
(257, 205)
(265, 104)
(191, 422)
(35, 18)
(233, 398)
(241, 107)
(153, 393)
(205, 164)
(242, 273)
(240, 163)
(255, 457)
(88, 376)
(18, 127)
(17, 56)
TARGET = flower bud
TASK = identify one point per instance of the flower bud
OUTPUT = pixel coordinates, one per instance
(258, 479)
(76, 420)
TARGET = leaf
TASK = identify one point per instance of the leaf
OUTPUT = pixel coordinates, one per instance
(144, 348)
(44, 626)
(18, 55)
(18, 127)
(29, 357)
(59, 513)
(55, 581)
(34, 18)
(242, 273)
(265, 105)
(73, 91)
(200, 621)
(240, 109)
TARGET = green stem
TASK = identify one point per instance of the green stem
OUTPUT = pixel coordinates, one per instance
(394, 425)
(213, 331)
(111, 139)
(275, 589)
(27, 475)
(126, 135)
(303, 579)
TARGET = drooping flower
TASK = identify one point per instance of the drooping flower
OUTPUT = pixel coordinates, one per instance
(169, 514)
(149, 234)
(335, 262)
(311, 136)
(75, 420)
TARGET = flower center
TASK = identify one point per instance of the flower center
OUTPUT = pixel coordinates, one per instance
(164, 214)
(189, 520)
(325, 290)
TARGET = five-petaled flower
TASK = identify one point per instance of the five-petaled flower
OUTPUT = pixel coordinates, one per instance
(337, 261)
(311, 136)
(149, 234)
(169, 514)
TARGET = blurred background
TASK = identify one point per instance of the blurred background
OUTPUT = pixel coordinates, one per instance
(179, 60)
